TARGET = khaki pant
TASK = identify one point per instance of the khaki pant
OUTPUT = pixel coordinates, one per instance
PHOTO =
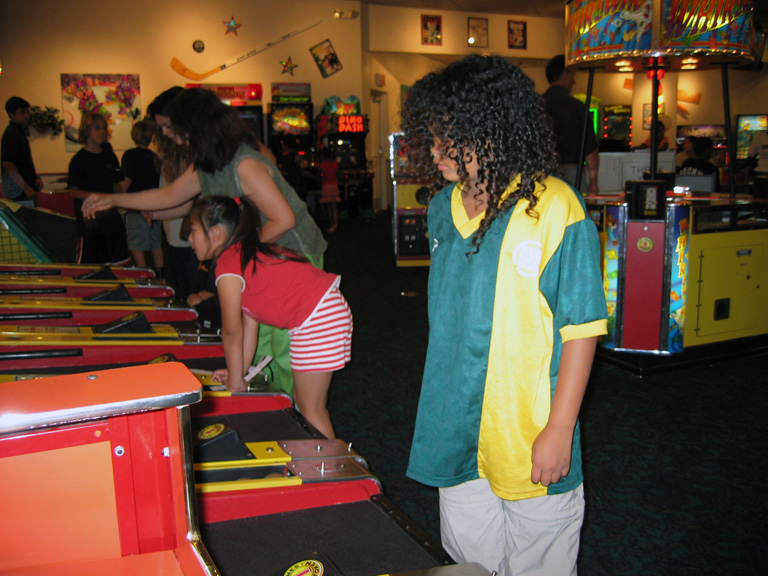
(536, 536)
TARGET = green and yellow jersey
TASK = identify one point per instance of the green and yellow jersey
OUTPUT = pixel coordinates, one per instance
(498, 319)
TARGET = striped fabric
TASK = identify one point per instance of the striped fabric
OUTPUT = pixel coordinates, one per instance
(324, 342)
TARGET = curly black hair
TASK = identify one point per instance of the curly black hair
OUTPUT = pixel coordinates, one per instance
(487, 106)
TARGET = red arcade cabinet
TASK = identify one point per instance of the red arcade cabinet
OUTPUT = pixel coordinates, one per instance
(95, 474)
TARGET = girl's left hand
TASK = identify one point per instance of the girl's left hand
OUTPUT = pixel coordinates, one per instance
(96, 203)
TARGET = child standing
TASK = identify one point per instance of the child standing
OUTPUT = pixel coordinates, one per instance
(265, 283)
(95, 168)
(516, 305)
(140, 168)
(329, 194)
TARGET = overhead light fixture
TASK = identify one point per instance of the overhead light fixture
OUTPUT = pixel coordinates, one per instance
(341, 15)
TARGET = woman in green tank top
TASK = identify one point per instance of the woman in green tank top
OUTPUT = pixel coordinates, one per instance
(223, 159)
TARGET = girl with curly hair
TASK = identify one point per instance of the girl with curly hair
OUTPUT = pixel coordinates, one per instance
(516, 305)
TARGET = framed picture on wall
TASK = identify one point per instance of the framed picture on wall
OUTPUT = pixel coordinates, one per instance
(477, 32)
(326, 58)
(517, 37)
(431, 30)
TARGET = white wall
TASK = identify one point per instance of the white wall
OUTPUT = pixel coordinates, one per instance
(399, 30)
(40, 39)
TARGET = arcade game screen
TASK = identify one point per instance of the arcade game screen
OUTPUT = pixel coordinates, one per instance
(293, 119)
(617, 128)
(747, 125)
(253, 116)
(350, 152)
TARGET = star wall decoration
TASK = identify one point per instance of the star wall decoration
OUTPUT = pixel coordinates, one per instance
(232, 26)
(288, 65)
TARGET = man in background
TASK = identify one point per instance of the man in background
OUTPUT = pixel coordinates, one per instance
(20, 179)
(567, 114)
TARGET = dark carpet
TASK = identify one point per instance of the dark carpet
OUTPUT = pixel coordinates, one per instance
(675, 462)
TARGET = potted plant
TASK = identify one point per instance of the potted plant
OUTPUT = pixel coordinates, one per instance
(44, 119)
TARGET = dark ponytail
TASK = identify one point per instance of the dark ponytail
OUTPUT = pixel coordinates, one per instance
(241, 220)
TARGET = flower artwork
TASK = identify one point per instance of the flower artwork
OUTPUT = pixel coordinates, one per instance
(115, 96)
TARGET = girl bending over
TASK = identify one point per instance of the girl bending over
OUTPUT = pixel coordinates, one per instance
(265, 283)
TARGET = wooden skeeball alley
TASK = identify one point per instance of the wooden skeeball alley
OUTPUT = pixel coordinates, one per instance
(685, 276)
(105, 472)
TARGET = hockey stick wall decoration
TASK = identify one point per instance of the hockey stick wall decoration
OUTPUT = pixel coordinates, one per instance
(197, 76)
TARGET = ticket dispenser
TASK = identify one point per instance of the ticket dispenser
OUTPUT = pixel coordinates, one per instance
(695, 277)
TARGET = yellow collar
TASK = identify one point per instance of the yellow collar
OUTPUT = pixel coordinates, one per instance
(461, 220)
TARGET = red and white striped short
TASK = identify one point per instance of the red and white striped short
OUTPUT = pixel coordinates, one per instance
(324, 342)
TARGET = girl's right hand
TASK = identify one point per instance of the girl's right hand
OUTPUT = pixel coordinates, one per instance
(220, 375)
(96, 203)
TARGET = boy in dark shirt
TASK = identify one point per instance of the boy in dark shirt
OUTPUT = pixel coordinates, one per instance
(140, 168)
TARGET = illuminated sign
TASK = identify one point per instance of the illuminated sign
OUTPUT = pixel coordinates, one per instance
(233, 93)
(351, 123)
